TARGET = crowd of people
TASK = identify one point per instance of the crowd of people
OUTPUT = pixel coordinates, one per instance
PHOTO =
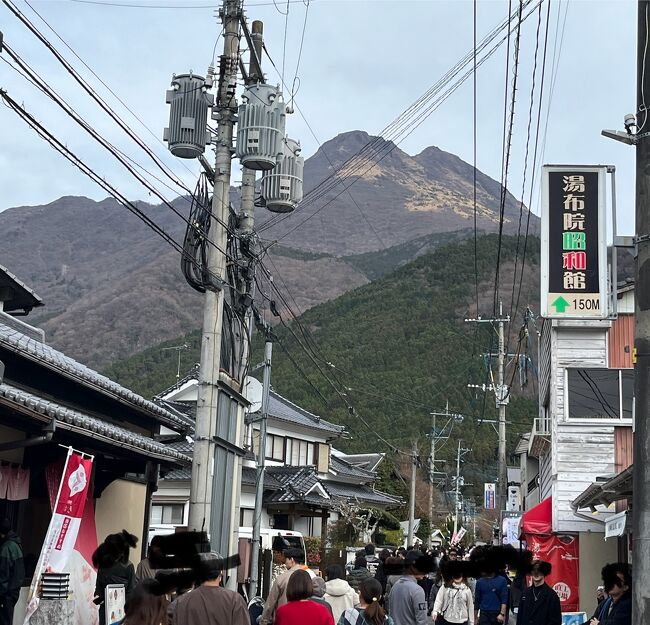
(488, 586)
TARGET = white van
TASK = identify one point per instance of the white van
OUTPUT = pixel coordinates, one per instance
(269, 535)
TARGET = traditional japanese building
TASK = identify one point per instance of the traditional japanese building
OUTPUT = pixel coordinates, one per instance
(49, 402)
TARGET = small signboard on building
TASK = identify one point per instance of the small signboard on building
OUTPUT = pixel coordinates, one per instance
(574, 243)
(489, 496)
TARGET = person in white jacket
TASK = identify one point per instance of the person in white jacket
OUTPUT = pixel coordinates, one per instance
(454, 604)
(338, 593)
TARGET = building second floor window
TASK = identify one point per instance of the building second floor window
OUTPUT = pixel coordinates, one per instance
(167, 514)
(600, 393)
(289, 450)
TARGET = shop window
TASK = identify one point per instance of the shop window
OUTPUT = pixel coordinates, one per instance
(600, 393)
(167, 514)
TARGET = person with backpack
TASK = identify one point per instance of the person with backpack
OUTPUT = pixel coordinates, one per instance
(369, 611)
(12, 571)
(454, 604)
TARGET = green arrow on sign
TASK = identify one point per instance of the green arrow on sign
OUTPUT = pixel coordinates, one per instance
(560, 304)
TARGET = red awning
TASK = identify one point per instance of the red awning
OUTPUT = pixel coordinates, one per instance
(538, 520)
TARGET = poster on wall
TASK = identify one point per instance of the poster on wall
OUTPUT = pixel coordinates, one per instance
(574, 242)
(563, 554)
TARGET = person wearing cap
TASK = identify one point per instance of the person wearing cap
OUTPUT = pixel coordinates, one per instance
(408, 602)
(210, 603)
(294, 559)
(539, 603)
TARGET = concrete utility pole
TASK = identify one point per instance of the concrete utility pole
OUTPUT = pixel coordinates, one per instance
(414, 466)
(432, 471)
(261, 465)
(200, 508)
(502, 396)
(641, 478)
(247, 206)
(457, 497)
(502, 400)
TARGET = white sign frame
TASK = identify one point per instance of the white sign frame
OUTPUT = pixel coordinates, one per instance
(603, 274)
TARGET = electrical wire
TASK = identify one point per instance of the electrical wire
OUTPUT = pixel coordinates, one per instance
(410, 119)
(351, 169)
(106, 86)
(90, 173)
(302, 42)
(95, 96)
(515, 308)
(118, 155)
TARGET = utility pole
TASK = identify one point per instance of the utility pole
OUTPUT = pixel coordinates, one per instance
(502, 393)
(432, 470)
(261, 465)
(414, 465)
(457, 497)
(435, 435)
(502, 397)
(247, 206)
(641, 478)
(200, 508)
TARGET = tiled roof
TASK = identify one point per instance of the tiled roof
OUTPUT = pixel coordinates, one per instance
(249, 477)
(192, 374)
(363, 494)
(22, 296)
(369, 461)
(47, 356)
(183, 410)
(296, 484)
(86, 425)
(343, 468)
(282, 409)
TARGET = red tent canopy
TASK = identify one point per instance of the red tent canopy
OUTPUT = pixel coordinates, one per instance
(538, 520)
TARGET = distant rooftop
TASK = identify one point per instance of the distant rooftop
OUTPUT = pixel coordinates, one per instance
(15, 295)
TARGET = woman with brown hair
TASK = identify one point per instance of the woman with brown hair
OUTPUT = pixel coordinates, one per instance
(299, 610)
(147, 605)
(369, 611)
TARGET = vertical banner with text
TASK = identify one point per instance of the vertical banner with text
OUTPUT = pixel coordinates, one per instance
(574, 280)
(489, 496)
(64, 526)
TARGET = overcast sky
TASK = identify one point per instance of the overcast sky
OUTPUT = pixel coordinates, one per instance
(362, 64)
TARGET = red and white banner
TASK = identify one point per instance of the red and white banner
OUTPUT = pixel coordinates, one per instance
(563, 554)
(66, 519)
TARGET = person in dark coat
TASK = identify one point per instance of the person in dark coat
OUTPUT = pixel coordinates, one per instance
(617, 608)
(12, 571)
(111, 559)
(358, 573)
(380, 575)
(539, 603)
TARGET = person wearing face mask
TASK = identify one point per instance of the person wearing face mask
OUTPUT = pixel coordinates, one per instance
(539, 603)
(617, 608)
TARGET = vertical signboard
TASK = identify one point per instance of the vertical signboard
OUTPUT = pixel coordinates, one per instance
(489, 496)
(574, 243)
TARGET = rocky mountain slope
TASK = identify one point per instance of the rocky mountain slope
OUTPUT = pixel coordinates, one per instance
(112, 287)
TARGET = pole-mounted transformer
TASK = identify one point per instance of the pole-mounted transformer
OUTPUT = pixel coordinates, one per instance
(261, 126)
(281, 187)
(188, 133)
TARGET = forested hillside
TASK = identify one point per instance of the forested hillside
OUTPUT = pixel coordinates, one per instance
(399, 349)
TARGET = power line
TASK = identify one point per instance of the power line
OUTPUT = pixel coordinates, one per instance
(93, 94)
(402, 126)
(70, 111)
(111, 91)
